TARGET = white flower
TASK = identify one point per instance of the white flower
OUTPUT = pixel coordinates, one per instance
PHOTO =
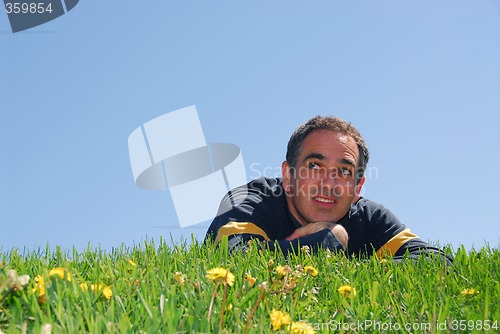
(16, 282)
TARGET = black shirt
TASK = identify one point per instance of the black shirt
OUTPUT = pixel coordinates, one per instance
(259, 210)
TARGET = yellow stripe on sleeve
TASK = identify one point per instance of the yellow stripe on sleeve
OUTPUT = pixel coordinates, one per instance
(391, 247)
(240, 228)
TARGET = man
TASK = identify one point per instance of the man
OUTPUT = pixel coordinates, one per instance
(317, 202)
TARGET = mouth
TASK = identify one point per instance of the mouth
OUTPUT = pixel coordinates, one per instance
(326, 200)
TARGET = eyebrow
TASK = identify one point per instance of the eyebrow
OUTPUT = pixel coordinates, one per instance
(320, 156)
(313, 155)
(347, 162)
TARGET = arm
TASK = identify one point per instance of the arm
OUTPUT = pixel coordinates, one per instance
(407, 243)
(239, 234)
(417, 248)
(383, 232)
(338, 231)
(325, 238)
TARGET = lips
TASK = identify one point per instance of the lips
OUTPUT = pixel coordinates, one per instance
(325, 200)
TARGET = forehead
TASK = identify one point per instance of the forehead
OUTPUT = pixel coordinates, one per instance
(333, 145)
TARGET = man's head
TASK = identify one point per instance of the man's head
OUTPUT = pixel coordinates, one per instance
(327, 123)
(324, 169)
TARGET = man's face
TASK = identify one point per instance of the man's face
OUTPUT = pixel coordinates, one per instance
(322, 185)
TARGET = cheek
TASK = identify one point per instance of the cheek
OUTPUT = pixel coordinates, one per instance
(347, 190)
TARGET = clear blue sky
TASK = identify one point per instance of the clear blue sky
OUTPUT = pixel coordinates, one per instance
(419, 79)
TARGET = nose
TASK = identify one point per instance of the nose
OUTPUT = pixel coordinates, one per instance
(330, 183)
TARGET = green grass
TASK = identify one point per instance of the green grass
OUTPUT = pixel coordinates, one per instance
(147, 298)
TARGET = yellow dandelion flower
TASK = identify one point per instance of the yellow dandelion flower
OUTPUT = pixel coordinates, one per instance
(221, 275)
(107, 292)
(347, 291)
(270, 263)
(279, 319)
(310, 270)
(251, 280)
(216, 273)
(179, 277)
(283, 270)
(301, 327)
(469, 292)
(61, 273)
(104, 289)
(39, 285)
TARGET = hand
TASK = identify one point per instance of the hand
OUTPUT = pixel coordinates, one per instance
(337, 230)
(309, 229)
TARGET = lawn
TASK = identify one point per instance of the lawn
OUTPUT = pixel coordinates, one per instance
(195, 288)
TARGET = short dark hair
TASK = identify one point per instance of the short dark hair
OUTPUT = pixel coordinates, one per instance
(330, 123)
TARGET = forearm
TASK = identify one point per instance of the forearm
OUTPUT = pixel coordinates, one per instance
(417, 248)
(323, 239)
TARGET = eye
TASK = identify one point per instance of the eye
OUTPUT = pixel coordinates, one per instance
(312, 165)
(345, 172)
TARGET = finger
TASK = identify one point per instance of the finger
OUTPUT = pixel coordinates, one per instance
(293, 236)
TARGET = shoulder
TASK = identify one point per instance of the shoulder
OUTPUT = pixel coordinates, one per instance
(260, 202)
(374, 215)
(370, 226)
(253, 193)
(367, 207)
(267, 186)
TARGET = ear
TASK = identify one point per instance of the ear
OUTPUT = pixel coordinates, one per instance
(286, 174)
(357, 189)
